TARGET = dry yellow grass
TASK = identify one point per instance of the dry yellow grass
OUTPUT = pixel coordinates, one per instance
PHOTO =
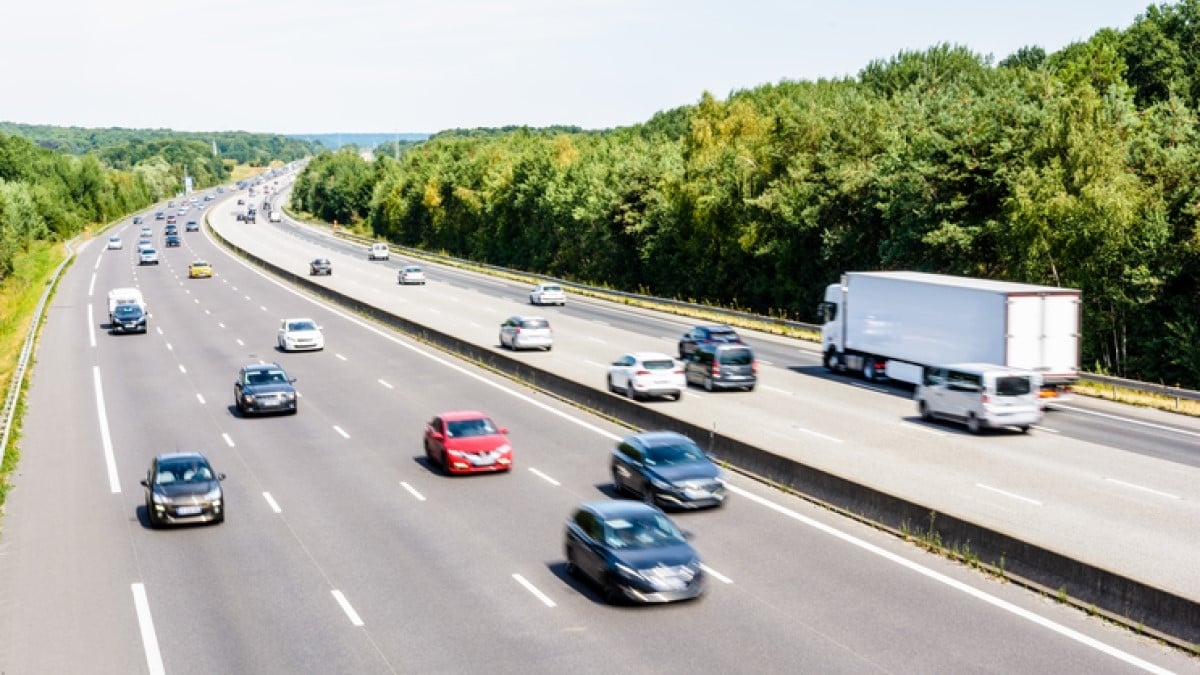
(1138, 398)
(244, 171)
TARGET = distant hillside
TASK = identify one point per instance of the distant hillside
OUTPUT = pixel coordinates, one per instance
(335, 141)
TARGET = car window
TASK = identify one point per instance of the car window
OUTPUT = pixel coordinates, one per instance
(668, 455)
(659, 364)
(468, 428)
(646, 531)
(630, 451)
(959, 381)
(535, 323)
(736, 357)
(552, 289)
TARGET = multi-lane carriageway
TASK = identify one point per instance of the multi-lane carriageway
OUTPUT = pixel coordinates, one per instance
(343, 552)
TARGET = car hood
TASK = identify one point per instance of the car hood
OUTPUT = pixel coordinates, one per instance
(270, 388)
(302, 334)
(177, 490)
(476, 443)
(643, 558)
(681, 472)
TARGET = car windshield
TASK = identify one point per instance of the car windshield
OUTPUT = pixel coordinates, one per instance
(535, 323)
(736, 357)
(642, 531)
(199, 264)
(722, 335)
(466, 428)
(301, 325)
(668, 455)
(183, 471)
(273, 376)
(552, 289)
(131, 311)
(659, 364)
(1013, 385)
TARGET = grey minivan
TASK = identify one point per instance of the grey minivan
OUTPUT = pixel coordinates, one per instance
(722, 366)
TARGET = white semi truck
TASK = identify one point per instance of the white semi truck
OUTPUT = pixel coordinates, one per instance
(894, 324)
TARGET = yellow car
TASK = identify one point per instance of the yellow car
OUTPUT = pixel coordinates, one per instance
(199, 269)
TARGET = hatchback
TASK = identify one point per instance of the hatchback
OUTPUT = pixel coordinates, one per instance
(701, 335)
(667, 468)
(645, 374)
(467, 441)
(411, 274)
(182, 487)
(722, 366)
(320, 266)
(547, 294)
(526, 332)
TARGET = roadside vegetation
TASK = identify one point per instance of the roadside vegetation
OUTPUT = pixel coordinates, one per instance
(1079, 168)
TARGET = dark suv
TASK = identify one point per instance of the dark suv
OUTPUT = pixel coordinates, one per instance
(701, 335)
(264, 388)
(722, 366)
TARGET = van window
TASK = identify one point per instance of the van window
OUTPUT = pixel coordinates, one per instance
(736, 357)
(960, 381)
(1012, 385)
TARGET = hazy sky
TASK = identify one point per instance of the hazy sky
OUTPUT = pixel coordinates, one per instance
(295, 66)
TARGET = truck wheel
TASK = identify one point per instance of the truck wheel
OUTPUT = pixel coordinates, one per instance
(868, 370)
(829, 361)
(973, 424)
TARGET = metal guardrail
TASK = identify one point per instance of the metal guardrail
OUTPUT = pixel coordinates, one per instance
(1149, 387)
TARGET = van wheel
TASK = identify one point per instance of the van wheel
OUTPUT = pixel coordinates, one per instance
(611, 388)
(630, 391)
(973, 424)
(924, 408)
(708, 385)
(1024, 428)
(868, 371)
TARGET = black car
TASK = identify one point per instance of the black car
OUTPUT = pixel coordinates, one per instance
(264, 388)
(192, 226)
(668, 469)
(632, 551)
(137, 220)
(182, 487)
(706, 335)
(320, 266)
(722, 366)
(172, 241)
(128, 318)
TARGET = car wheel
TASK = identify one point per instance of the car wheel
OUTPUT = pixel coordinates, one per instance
(549, 347)
(708, 383)
(923, 408)
(611, 388)
(1024, 428)
(630, 391)
(750, 388)
(151, 518)
(973, 424)
(445, 463)
(501, 338)
(572, 568)
(219, 519)
(682, 354)
(677, 395)
(612, 594)
(618, 486)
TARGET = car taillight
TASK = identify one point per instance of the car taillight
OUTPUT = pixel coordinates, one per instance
(642, 372)
(516, 330)
(754, 366)
(716, 368)
(984, 398)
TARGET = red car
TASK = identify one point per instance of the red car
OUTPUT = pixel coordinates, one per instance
(467, 441)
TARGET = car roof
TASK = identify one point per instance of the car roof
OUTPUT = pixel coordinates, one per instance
(651, 356)
(618, 508)
(180, 455)
(717, 329)
(300, 318)
(457, 415)
(262, 365)
(655, 439)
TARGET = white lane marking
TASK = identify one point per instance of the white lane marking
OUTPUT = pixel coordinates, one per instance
(868, 387)
(954, 584)
(763, 362)
(159, 329)
(182, 369)
(340, 357)
(435, 311)
(92, 285)
(384, 383)
(777, 390)
(596, 339)
(272, 503)
(1160, 493)
(598, 322)
(169, 347)
(240, 343)
(664, 337)
(196, 300)
(262, 307)
(475, 325)
(412, 491)
(220, 325)
(340, 431)
(91, 323)
(818, 434)
(593, 363)
(187, 291)
(146, 625)
(927, 430)
(533, 589)
(228, 440)
(200, 398)
(233, 288)
(97, 265)
(715, 574)
(1128, 420)
(207, 311)
(341, 600)
(544, 477)
(1047, 430)
(247, 297)
(1008, 494)
(110, 461)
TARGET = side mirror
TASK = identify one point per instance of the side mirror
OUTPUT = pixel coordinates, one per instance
(687, 534)
(292, 380)
(437, 436)
(504, 430)
(220, 476)
(145, 483)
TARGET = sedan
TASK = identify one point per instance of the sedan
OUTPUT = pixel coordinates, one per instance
(114, 244)
(526, 332)
(200, 269)
(547, 294)
(646, 374)
(172, 240)
(320, 266)
(667, 468)
(192, 226)
(182, 487)
(264, 388)
(146, 231)
(128, 318)
(137, 220)
(295, 334)
(701, 335)
(633, 552)
(467, 442)
(411, 274)
(147, 256)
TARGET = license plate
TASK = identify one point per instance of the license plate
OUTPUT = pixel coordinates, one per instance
(188, 510)
(483, 461)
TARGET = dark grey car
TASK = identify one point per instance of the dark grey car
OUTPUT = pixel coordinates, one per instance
(666, 468)
(722, 366)
(264, 388)
(182, 487)
(128, 318)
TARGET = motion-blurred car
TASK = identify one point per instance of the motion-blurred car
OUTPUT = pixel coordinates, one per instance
(159, 215)
(200, 269)
(182, 487)
(144, 243)
(467, 441)
(668, 469)
(115, 243)
(171, 219)
(646, 374)
(172, 241)
(147, 256)
(411, 274)
(526, 332)
(297, 334)
(547, 294)
(633, 552)
(320, 266)
(264, 388)
(128, 318)
(706, 335)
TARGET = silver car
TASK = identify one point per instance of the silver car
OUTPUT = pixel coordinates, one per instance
(526, 332)
(547, 294)
(147, 256)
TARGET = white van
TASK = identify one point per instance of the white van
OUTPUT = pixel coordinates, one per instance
(124, 296)
(378, 252)
(275, 217)
(981, 395)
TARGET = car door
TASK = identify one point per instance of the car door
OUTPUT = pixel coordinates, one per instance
(620, 371)
(435, 436)
(507, 329)
(589, 546)
(627, 466)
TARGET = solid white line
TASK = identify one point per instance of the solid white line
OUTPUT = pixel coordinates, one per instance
(146, 624)
(544, 477)
(762, 362)
(182, 369)
(1128, 420)
(777, 390)
(600, 323)
(810, 432)
(955, 584)
(593, 363)
(91, 323)
(1160, 493)
(340, 431)
(272, 503)
(228, 440)
(413, 491)
(381, 381)
(1043, 429)
(341, 600)
(715, 574)
(200, 398)
(110, 461)
(927, 430)
(1008, 494)
(596, 339)
(868, 387)
(340, 357)
(92, 285)
(533, 589)
(97, 265)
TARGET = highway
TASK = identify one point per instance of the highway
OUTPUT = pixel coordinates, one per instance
(344, 552)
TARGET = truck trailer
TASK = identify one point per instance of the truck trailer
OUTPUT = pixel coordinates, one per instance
(895, 324)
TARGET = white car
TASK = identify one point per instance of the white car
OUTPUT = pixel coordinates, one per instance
(114, 244)
(297, 334)
(146, 231)
(147, 256)
(411, 274)
(526, 332)
(646, 374)
(547, 294)
(378, 252)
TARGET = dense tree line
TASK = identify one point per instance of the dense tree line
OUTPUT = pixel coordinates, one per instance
(1079, 168)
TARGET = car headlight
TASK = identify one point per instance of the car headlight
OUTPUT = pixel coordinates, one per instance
(291, 395)
(661, 484)
(159, 498)
(627, 571)
(212, 495)
(504, 448)
(248, 398)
